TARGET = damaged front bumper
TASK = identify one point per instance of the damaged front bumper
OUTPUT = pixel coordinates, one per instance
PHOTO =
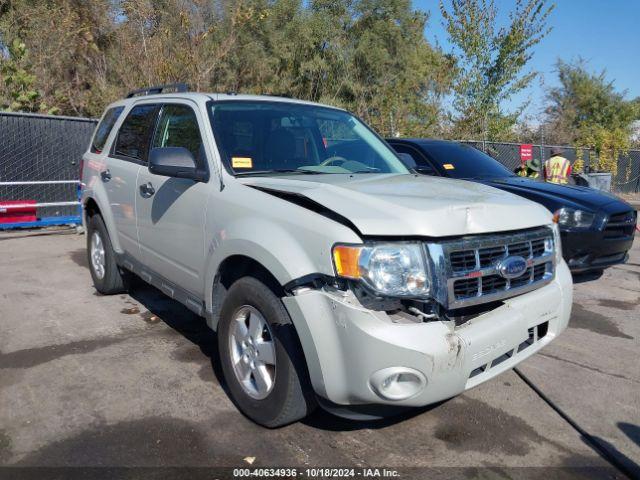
(349, 348)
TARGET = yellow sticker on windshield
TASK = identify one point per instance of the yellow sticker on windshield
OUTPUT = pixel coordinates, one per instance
(448, 166)
(241, 162)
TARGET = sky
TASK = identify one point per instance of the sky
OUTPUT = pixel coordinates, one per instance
(606, 33)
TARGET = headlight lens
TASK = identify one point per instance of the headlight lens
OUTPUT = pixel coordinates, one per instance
(557, 242)
(572, 218)
(396, 270)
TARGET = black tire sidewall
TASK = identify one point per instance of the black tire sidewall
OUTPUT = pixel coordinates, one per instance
(291, 375)
(112, 281)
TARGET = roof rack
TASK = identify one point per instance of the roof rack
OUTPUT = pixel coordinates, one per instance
(169, 88)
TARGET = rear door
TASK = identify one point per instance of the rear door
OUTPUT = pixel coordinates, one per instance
(129, 152)
(171, 211)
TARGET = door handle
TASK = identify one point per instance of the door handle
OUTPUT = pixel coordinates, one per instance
(105, 175)
(147, 190)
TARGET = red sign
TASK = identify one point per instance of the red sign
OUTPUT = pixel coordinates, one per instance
(526, 152)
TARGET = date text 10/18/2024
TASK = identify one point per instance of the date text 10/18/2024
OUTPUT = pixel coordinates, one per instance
(318, 472)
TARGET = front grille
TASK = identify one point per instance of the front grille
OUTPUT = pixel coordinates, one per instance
(623, 217)
(463, 261)
(620, 225)
(538, 247)
(491, 284)
(466, 288)
(539, 271)
(488, 256)
(471, 266)
(522, 249)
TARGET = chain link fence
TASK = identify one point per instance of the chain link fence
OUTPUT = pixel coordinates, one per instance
(625, 180)
(39, 168)
(40, 165)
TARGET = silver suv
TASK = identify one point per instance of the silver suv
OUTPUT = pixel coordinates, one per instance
(332, 275)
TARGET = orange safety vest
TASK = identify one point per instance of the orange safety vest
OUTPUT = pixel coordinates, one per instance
(557, 170)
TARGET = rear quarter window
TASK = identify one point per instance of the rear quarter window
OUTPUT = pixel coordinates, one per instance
(104, 129)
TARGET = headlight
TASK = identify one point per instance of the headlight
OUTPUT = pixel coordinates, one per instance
(392, 269)
(571, 218)
(557, 243)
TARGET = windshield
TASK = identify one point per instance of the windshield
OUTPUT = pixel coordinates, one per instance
(265, 137)
(463, 161)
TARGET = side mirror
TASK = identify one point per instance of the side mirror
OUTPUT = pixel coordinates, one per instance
(175, 162)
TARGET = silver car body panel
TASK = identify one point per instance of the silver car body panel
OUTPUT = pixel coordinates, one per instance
(417, 205)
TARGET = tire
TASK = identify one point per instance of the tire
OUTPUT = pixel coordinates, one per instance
(290, 396)
(109, 280)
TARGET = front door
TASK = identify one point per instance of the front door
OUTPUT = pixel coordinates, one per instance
(171, 211)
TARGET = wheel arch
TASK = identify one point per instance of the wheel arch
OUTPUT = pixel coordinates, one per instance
(94, 205)
(230, 269)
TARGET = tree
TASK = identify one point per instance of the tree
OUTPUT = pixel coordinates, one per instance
(397, 77)
(66, 42)
(586, 110)
(491, 61)
(19, 83)
(369, 56)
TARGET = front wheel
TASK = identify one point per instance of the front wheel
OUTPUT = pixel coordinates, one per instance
(261, 357)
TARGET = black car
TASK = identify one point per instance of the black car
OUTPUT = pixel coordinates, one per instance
(597, 228)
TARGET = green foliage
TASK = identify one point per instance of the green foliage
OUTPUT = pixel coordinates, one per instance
(18, 82)
(491, 60)
(369, 56)
(393, 78)
(586, 111)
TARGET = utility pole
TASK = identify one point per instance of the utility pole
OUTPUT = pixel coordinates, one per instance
(484, 132)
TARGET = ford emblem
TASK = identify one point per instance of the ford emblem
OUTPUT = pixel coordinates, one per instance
(512, 267)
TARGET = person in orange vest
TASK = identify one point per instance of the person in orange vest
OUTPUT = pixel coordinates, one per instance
(557, 169)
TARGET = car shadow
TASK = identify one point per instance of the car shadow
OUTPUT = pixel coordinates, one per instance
(194, 329)
(180, 319)
(168, 193)
(324, 420)
(586, 276)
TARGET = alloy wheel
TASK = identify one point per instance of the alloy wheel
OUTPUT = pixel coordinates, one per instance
(253, 352)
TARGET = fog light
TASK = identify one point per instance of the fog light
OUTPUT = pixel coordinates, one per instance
(397, 383)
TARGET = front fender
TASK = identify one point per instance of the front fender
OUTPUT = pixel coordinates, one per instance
(279, 251)
(287, 253)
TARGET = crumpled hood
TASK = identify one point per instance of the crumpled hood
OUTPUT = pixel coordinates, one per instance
(408, 205)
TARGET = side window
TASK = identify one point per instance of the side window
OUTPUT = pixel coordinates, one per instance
(178, 127)
(104, 129)
(422, 166)
(133, 137)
